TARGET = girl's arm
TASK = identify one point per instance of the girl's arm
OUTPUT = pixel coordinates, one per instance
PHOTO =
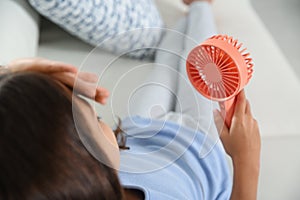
(245, 181)
(242, 142)
(83, 83)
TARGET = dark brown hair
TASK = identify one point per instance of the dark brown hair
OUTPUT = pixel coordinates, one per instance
(41, 154)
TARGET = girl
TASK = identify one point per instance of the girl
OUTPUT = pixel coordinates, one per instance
(52, 146)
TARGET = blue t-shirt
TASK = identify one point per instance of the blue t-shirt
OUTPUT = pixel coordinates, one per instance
(164, 162)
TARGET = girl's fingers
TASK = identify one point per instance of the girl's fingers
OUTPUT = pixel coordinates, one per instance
(240, 105)
(66, 78)
(102, 92)
(102, 95)
(88, 77)
(87, 89)
(101, 100)
(248, 108)
(81, 87)
(84, 83)
(48, 66)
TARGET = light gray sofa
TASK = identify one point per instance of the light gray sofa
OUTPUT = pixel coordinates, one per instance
(274, 90)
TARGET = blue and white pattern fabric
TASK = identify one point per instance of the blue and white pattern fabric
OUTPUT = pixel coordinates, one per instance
(119, 26)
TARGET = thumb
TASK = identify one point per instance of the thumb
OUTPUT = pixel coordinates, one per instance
(221, 126)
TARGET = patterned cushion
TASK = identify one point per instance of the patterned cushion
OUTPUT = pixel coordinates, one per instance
(106, 22)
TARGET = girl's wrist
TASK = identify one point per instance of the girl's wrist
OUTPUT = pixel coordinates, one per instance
(251, 166)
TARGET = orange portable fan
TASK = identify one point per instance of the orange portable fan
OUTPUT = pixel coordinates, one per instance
(219, 69)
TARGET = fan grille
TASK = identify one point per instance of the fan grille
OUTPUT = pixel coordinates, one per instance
(213, 72)
(243, 52)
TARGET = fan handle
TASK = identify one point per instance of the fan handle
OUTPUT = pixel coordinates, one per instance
(227, 110)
